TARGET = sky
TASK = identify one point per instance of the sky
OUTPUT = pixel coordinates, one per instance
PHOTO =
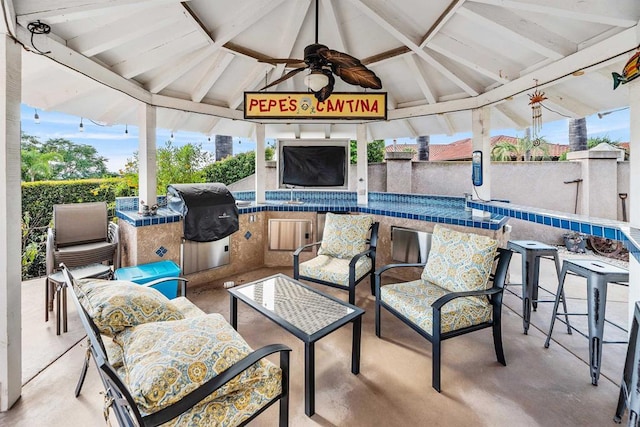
(117, 146)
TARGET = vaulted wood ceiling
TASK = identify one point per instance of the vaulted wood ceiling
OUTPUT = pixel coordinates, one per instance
(437, 59)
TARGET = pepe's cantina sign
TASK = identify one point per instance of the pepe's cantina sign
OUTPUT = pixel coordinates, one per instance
(303, 105)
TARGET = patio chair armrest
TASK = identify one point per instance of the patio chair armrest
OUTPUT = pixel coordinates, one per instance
(355, 259)
(193, 398)
(381, 270)
(182, 283)
(440, 302)
(303, 247)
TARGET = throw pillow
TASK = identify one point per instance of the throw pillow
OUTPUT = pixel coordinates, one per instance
(345, 236)
(166, 361)
(459, 261)
(117, 304)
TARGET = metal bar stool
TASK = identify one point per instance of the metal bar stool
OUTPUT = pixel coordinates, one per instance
(532, 252)
(598, 274)
(630, 385)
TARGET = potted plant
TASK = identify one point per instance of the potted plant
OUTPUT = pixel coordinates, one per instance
(575, 242)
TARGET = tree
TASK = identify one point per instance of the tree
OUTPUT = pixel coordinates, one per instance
(231, 169)
(523, 149)
(79, 161)
(503, 152)
(37, 166)
(375, 151)
(184, 164)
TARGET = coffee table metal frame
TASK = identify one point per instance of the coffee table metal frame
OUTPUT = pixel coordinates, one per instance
(354, 315)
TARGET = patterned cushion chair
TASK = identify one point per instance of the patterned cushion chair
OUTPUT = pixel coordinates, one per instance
(347, 254)
(456, 293)
(167, 363)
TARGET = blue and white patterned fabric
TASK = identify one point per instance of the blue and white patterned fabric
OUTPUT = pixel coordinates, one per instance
(459, 261)
(414, 299)
(334, 270)
(345, 235)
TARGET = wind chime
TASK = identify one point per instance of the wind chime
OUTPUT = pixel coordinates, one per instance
(535, 100)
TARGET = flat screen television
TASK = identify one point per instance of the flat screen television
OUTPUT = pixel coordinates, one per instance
(313, 164)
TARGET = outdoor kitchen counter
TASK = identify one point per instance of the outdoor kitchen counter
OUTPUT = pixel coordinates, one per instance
(440, 209)
(598, 227)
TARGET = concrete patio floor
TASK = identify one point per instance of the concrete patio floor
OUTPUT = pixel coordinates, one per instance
(538, 387)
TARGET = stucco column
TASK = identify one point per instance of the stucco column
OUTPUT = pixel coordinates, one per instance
(634, 188)
(599, 184)
(481, 138)
(399, 171)
(147, 167)
(261, 172)
(362, 185)
(10, 214)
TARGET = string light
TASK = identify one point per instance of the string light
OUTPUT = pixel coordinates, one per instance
(171, 137)
(81, 126)
(36, 117)
(126, 129)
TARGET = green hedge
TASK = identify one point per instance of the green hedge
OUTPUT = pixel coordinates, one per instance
(38, 199)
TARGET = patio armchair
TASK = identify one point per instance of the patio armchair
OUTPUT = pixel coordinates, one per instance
(81, 235)
(460, 291)
(346, 254)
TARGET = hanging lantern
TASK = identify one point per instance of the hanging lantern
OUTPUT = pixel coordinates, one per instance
(535, 100)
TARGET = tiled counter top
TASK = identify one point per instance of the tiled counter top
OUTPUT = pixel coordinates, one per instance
(441, 209)
(599, 227)
(445, 210)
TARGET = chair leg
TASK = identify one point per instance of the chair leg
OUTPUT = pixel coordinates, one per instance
(377, 316)
(83, 372)
(436, 343)
(372, 279)
(352, 295)
(435, 368)
(497, 340)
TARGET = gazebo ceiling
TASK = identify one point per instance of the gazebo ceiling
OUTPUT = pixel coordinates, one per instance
(437, 59)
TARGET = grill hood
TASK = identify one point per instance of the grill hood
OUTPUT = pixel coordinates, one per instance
(208, 210)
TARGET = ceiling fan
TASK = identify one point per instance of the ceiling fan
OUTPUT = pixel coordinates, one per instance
(323, 63)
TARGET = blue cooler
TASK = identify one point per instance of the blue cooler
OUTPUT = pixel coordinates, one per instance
(148, 272)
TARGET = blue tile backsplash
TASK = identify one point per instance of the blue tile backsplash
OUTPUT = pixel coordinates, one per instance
(609, 229)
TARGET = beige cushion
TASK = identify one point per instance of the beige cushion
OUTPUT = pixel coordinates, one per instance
(117, 304)
(165, 361)
(459, 261)
(414, 299)
(345, 236)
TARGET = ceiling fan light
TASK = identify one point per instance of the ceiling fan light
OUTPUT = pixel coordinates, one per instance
(316, 80)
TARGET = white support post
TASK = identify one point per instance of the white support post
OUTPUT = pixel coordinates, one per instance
(147, 168)
(362, 186)
(634, 189)
(10, 216)
(481, 128)
(261, 172)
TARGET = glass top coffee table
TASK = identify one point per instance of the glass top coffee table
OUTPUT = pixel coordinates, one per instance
(306, 313)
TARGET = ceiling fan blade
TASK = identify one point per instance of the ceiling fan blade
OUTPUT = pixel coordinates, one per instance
(359, 75)
(350, 69)
(291, 62)
(341, 58)
(285, 77)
